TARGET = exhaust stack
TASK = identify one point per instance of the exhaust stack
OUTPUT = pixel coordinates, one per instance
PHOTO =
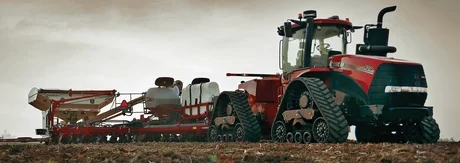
(382, 13)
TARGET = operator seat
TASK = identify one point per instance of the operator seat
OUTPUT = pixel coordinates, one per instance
(333, 52)
(319, 61)
(162, 95)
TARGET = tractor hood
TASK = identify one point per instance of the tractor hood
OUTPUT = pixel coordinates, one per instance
(363, 60)
(364, 68)
(387, 59)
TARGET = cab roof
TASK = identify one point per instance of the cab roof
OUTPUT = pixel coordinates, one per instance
(333, 20)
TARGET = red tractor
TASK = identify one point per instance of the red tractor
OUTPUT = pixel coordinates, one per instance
(320, 94)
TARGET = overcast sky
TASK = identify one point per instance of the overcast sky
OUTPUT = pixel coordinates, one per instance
(125, 45)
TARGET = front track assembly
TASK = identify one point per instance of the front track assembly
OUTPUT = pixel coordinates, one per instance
(425, 131)
(308, 113)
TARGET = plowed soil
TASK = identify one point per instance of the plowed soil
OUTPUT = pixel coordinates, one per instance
(231, 152)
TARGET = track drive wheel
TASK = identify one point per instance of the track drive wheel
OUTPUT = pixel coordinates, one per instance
(235, 103)
(279, 132)
(328, 124)
(212, 133)
(239, 133)
(320, 130)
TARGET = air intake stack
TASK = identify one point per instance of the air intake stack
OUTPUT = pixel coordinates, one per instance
(376, 39)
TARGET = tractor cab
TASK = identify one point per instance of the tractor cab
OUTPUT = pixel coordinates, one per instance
(309, 42)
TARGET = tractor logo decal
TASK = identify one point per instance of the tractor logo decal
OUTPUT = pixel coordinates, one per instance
(336, 64)
(367, 68)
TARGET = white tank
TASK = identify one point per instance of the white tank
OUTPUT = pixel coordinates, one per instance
(199, 93)
(161, 96)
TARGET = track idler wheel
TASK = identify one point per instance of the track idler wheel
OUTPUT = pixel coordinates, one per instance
(290, 137)
(219, 138)
(298, 137)
(230, 137)
(306, 137)
(224, 138)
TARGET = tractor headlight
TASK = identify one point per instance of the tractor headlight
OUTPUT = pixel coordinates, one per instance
(394, 89)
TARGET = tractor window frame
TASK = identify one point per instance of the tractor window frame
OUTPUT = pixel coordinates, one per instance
(284, 50)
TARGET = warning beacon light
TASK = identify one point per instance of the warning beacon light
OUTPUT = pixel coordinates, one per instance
(309, 14)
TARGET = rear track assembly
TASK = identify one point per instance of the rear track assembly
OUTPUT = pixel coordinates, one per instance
(233, 120)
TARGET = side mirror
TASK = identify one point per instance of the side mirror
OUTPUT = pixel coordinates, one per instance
(333, 52)
(355, 28)
(349, 37)
(287, 29)
(280, 48)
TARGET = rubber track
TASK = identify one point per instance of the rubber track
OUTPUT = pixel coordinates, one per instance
(430, 130)
(338, 125)
(244, 113)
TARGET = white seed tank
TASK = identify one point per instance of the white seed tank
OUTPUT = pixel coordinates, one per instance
(199, 93)
(156, 97)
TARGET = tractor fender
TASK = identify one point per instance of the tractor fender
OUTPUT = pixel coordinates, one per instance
(338, 81)
(347, 85)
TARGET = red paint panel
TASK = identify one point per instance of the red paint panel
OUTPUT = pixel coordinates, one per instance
(329, 21)
(262, 90)
(89, 130)
(267, 90)
(249, 86)
(187, 128)
(300, 72)
(364, 79)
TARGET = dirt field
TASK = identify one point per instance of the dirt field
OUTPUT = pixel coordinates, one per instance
(231, 152)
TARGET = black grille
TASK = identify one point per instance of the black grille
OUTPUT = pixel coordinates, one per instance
(397, 75)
